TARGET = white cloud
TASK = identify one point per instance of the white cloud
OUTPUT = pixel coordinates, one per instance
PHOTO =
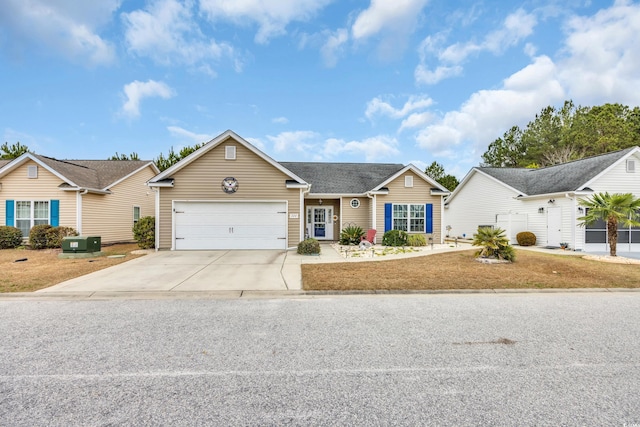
(399, 15)
(488, 113)
(136, 91)
(294, 141)
(378, 107)
(280, 120)
(416, 120)
(185, 134)
(272, 17)
(167, 33)
(516, 27)
(334, 46)
(373, 149)
(257, 142)
(67, 27)
(601, 59)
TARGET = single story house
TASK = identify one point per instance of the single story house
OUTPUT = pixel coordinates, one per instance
(96, 197)
(230, 195)
(545, 201)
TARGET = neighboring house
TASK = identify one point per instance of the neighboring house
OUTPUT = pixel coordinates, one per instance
(230, 195)
(96, 197)
(546, 201)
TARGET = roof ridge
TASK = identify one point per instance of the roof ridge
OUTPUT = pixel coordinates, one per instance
(68, 162)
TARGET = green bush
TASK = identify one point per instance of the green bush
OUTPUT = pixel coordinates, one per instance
(309, 247)
(395, 238)
(417, 240)
(55, 235)
(38, 236)
(351, 235)
(494, 244)
(144, 232)
(10, 237)
(526, 238)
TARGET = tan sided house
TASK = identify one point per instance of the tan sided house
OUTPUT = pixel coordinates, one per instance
(96, 197)
(230, 195)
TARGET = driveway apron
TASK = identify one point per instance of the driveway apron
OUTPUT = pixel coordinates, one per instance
(188, 271)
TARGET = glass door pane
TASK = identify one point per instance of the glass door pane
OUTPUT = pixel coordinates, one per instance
(319, 222)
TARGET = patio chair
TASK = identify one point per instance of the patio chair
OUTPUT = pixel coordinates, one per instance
(371, 234)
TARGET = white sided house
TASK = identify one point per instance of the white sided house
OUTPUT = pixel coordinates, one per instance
(230, 195)
(545, 201)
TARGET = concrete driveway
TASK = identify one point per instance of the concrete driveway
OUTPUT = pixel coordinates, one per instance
(167, 271)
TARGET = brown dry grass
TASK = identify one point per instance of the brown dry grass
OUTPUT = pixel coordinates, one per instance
(459, 270)
(43, 268)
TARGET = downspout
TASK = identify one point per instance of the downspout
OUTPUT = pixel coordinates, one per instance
(156, 190)
(79, 195)
(303, 213)
(373, 213)
(574, 219)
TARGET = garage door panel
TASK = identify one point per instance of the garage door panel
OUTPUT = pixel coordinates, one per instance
(221, 225)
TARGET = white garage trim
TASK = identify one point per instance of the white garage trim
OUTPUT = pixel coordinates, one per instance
(224, 224)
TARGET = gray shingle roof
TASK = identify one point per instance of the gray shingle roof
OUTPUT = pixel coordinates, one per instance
(569, 176)
(4, 162)
(343, 178)
(98, 174)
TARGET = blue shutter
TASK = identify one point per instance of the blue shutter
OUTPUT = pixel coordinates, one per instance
(54, 206)
(388, 217)
(429, 218)
(10, 213)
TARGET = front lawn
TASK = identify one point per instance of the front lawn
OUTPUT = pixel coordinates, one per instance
(459, 270)
(42, 268)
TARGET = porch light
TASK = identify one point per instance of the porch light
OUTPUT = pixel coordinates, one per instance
(541, 210)
(580, 210)
(320, 201)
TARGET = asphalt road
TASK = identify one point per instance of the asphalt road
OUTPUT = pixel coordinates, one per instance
(506, 359)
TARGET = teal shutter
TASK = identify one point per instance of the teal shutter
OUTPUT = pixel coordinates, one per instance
(54, 213)
(388, 217)
(429, 218)
(10, 212)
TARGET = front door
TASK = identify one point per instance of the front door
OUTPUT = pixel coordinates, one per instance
(320, 222)
(554, 226)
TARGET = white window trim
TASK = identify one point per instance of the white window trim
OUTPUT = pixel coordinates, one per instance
(356, 202)
(409, 218)
(230, 152)
(134, 214)
(32, 213)
(631, 165)
(32, 171)
(408, 181)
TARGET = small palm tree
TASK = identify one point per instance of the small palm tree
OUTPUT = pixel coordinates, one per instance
(614, 209)
(494, 244)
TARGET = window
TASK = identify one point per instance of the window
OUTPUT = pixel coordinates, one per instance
(230, 152)
(30, 213)
(410, 218)
(408, 181)
(136, 214)
(355, 203)
(597, 233)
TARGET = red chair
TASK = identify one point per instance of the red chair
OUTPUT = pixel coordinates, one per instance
(371, 235)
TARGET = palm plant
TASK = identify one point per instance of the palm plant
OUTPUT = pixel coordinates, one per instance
(494, 243)
(614, 209)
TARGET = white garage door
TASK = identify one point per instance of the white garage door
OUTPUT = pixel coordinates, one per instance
(230, 225)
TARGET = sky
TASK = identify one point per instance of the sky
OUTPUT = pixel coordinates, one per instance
(388, 81)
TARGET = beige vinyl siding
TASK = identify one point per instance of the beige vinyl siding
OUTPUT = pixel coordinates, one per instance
(110, 216)
(16, 186)
(420, 193)
(202, 179)
(360, 216)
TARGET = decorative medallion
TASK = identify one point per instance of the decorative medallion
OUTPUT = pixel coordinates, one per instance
(229, 185)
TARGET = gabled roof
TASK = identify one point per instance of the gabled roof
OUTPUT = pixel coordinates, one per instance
(418, 172)
(210, 146)
(565, 177)
(83, 174)
(343, 178)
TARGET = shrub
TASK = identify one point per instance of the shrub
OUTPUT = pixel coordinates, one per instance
(351, 235)
(144, 232)
(526, 238)
(10, 237)
(309, 247)
(55, 235)
(417, 240)
(395, 238)
(38, 236)
(494, 244)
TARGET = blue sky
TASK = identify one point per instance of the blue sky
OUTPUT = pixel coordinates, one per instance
(400, 81)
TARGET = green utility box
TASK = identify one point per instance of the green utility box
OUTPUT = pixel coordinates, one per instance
(81, 244)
